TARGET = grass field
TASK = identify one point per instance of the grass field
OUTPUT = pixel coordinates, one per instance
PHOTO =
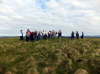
(53, 56)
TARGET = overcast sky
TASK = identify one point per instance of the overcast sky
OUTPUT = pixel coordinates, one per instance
(67, 15)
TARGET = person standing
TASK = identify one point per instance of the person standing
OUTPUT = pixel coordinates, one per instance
(59, 34)
(82, 36)
(21, 37)
(72, 35)
(77, 35)
(31, 36)
(27, 35)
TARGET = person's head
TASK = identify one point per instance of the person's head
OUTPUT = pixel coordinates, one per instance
(28, 30)
(59, 31)
(72, 31)
(21, 30)
(76, 31)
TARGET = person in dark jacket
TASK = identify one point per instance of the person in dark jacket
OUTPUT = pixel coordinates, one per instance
(27, 35)
(82, 36)
(59, 34)
(31, 36)
(77, 35)
(72, 35)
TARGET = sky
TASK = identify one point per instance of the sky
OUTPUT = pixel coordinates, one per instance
(65, 15)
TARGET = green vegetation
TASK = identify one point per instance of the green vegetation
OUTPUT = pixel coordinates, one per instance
(53, 56)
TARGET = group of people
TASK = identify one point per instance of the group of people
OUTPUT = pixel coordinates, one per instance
(38, 35)
(77, 36)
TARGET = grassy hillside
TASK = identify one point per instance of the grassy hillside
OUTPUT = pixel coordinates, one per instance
(53, 56)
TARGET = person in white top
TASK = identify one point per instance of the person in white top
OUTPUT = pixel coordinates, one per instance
(21, 37)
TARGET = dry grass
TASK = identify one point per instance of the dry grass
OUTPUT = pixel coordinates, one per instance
(53, 56)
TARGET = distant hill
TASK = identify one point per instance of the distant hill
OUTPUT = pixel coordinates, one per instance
(96, 36)
(8, 36)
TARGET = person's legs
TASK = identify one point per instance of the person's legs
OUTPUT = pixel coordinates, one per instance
(27, 38)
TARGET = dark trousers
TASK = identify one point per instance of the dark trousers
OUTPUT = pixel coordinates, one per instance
(21, 38)
(27, 38)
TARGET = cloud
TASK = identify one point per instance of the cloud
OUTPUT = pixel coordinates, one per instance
(67, 15)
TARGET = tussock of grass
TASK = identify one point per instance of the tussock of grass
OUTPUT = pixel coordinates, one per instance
(53, 56)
